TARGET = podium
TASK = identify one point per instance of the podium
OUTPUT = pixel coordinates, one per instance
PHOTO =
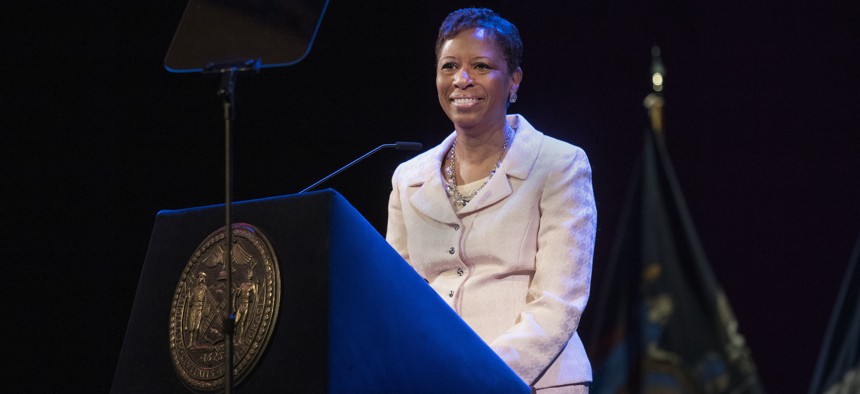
(354, 316)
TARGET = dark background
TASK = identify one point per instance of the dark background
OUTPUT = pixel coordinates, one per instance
(762, 125)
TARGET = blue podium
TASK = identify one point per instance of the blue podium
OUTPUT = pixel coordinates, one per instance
(354, 317)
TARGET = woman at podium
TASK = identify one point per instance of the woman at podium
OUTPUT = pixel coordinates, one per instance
(500, 218)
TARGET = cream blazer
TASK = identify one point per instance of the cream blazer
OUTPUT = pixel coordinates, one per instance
(515, 263)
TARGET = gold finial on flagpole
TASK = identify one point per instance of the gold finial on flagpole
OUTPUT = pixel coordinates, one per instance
(654, 101)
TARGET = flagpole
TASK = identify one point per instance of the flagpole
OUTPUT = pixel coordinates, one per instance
(654, 101)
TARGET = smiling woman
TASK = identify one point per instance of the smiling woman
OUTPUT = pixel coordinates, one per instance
(499, 218)
(475, 83)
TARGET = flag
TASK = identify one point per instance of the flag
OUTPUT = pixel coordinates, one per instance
(838, 367)
(663, 323)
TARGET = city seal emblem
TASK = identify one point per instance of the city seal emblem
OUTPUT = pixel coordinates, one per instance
(199, 303)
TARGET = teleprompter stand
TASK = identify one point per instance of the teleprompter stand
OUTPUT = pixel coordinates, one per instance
(232, 37)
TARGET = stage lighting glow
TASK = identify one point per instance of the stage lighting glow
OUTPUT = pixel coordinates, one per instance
(657, 81)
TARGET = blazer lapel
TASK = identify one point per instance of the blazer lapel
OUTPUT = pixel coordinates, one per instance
(517, 164)
(430, 199)
(494, 191)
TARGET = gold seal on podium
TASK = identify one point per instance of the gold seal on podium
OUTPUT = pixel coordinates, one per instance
(199, 303)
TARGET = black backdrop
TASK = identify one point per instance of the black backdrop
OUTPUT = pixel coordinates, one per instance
(762, 123)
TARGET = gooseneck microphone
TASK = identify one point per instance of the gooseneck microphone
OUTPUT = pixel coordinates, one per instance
(399, 145)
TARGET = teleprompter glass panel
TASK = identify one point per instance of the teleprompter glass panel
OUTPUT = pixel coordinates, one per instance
(274, 33)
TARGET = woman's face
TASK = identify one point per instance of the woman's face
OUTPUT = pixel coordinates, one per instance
(473, 81)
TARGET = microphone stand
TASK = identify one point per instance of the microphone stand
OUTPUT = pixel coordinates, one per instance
(397, 145)
(226, 91)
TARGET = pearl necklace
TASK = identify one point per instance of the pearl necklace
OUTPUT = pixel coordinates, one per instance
(451, 188)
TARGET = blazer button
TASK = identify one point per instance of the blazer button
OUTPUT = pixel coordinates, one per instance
(459, 272)
(451, 293)
(456, 227)
(451, 251)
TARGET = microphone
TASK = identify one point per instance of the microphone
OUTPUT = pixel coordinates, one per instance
(399, 145)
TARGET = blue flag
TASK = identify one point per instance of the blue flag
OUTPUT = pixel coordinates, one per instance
(663, 323)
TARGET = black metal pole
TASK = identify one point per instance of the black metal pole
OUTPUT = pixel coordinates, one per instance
(226, 91)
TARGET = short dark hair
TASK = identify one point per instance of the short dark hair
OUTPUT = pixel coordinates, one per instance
(505, 33)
